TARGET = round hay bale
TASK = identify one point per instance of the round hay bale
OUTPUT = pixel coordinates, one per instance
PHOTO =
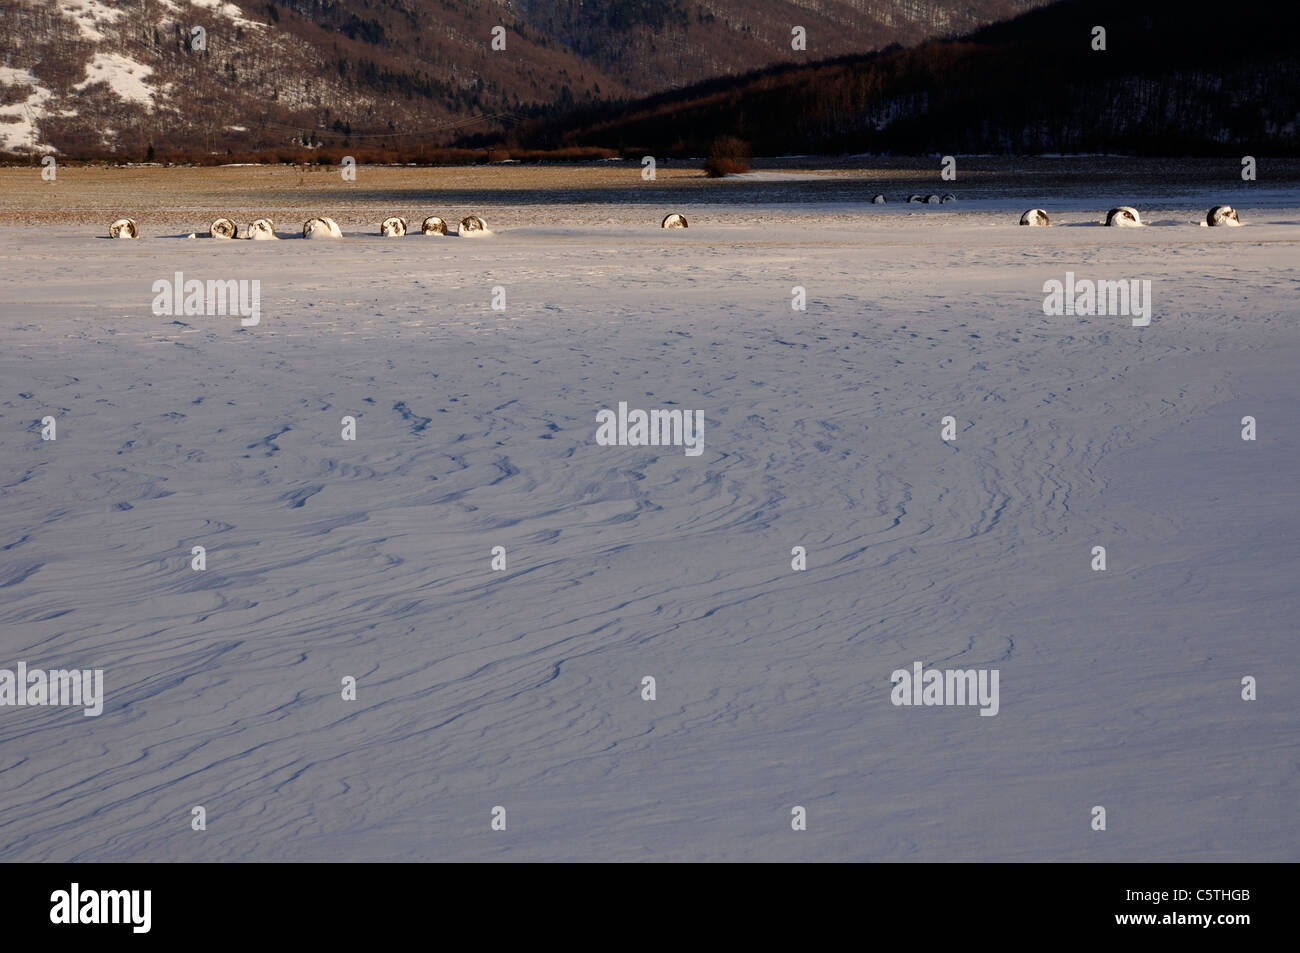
(223, 228)
(472, 223)
(914, 197)
(879, 200)
(393, 227)
(946, 198)
(321, 227)
(261, 229)
(675, 220)
(1035, 216)
(1222, 215)
(1123, 216)
(433, 225)
(932, 199)
(123, 228)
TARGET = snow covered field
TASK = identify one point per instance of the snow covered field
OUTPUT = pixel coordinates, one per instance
(522, 688)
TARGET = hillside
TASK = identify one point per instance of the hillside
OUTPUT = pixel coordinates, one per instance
(87, 77)
(1175, 77)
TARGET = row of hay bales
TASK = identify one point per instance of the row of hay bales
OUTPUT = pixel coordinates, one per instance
(322, 226)
(1121, 216)
(1125, 216)
(318, 226)
(396, 226)
(916, 198)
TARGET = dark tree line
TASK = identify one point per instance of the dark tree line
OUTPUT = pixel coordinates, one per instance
(1174, 78)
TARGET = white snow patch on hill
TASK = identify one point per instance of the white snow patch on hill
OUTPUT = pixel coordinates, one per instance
(124, 76)
(89, 16)
(18, 129)
(227, 10)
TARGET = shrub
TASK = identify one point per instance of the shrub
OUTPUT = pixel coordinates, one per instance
(727, 155)
(716, 168)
